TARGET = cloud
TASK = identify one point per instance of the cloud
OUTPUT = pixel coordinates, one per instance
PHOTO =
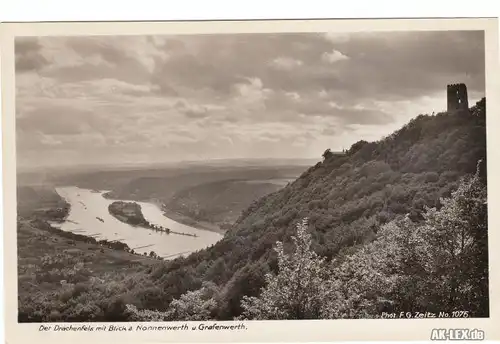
(337, 37)
(49, 140)
(298, 108)
(252, 93)
(28, 57)
(195, 111)
(401, 65)
(66, 121)
(49, 54)
(286, 63)
(334, 56)
(293, 95)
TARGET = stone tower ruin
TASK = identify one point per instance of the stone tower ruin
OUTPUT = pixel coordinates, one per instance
(458, 100)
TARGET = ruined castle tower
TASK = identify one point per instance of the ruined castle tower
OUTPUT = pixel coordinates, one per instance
(457, 98)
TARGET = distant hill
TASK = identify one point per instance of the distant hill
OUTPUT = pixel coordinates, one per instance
(249, 162)
(41, 201)
(163, 188)
(346, 197)
(221, 202)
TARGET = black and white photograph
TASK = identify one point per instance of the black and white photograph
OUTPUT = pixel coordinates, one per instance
(251, 176)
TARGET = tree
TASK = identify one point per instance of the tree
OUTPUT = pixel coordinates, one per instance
(195, 305)
(247, 281)
(357, 146)
(458, 236)
(297, 291)
(363, 284)
(135, 314)
(327, 154)
(440, 264)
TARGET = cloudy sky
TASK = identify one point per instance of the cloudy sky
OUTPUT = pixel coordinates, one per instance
(116, 99)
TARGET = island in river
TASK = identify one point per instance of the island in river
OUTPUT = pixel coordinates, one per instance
(128, 212)
(131, 213)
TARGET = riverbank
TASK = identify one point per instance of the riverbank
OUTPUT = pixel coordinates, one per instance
(88, 239)
(189, 221)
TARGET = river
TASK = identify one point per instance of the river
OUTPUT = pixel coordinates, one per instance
(87, 206)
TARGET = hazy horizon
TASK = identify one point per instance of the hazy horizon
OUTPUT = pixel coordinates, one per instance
(146, 100)
(230, 162)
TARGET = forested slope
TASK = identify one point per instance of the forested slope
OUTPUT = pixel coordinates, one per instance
(347, 199)
(219, 202)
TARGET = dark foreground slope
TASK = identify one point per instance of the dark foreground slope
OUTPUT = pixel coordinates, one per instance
(346, 198)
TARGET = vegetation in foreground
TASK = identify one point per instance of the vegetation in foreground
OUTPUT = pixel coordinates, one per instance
(437, 265)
